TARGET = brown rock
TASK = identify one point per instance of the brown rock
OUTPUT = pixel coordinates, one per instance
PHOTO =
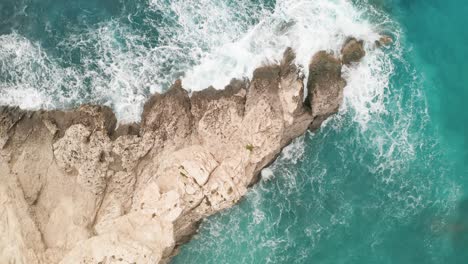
(352, 51)
(325, 87)
(384, 40)
(168, 114)
(203, 100)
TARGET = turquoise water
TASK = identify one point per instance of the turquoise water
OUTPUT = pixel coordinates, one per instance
(393, 193)
(384, 181)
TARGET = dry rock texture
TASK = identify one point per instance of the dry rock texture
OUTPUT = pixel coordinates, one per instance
(74, 189)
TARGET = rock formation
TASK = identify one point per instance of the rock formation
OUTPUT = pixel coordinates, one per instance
(74, 189)
(352, 51)
(325, 87)
(384, 40)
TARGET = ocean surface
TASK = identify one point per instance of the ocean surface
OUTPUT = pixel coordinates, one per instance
(384, 181)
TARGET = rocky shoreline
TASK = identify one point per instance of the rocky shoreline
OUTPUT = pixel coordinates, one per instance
(76, 189)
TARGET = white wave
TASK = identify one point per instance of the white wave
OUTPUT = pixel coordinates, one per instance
(205, 42)
(294, 151)
(306, 26)
(25, 65)
(267, 174)
(26, 98)
(119, 64)
(367, 86)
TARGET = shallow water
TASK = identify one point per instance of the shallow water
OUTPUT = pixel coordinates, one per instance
(384, 181)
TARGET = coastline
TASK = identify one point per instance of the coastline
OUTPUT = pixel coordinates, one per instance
(82, 191)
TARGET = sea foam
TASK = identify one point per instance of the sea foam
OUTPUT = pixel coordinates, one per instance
(203, 42)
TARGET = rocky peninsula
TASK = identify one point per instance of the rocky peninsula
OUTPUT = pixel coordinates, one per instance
(76, 189)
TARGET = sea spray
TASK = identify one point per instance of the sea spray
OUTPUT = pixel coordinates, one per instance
(122, 60)
(133, 50)
(306, 26)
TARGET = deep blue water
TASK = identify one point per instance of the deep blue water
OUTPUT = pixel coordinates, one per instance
(385, 181)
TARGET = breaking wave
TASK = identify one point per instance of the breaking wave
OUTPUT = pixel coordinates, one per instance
(120, 61)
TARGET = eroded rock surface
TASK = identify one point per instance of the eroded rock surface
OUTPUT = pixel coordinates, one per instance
(73, 189)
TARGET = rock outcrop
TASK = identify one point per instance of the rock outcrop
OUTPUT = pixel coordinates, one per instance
(325, 87)
(74, 189)
(384, 40)
(352, 51)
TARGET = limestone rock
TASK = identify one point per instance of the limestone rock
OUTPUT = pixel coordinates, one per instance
(168, 114)
(74, 189)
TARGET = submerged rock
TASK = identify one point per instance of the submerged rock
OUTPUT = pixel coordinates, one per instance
(73, 189)
(384, 40)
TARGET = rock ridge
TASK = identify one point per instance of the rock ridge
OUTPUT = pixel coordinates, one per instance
(74, 188)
